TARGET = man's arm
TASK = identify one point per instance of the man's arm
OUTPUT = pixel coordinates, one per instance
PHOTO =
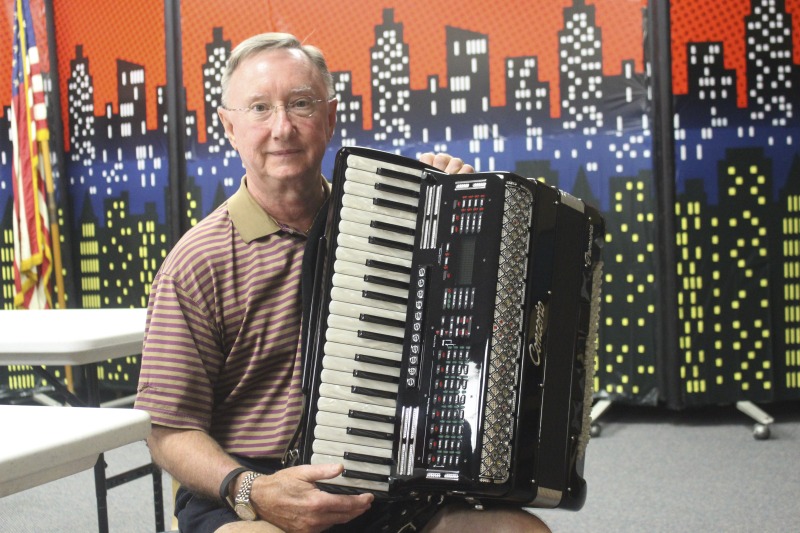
(288, 499)
(192, 457)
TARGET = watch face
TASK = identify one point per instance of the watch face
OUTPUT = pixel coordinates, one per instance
(245, 511)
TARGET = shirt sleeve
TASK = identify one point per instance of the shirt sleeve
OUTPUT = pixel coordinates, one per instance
(181, 356)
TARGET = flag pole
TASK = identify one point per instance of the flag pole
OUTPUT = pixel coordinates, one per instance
(52, 208)
(44, 146)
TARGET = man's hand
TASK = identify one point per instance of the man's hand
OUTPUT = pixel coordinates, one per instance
(446, 163)
(290, 500)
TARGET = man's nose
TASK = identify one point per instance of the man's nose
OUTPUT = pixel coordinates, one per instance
(280, 118)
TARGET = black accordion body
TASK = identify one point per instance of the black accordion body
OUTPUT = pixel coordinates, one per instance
(451, 334)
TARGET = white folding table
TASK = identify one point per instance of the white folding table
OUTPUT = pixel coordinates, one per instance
(42, 443)
(81, 338)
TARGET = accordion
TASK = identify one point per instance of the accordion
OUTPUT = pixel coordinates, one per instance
(450, 335)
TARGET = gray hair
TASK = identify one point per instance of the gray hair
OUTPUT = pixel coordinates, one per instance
(275, 41)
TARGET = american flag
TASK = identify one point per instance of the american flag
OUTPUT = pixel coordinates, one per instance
(29, 133)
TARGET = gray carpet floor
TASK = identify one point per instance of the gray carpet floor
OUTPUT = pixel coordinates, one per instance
(651, 470)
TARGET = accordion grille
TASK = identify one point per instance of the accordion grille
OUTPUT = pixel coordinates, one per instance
(501, 396)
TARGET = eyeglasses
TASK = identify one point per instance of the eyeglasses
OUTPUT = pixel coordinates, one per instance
(302, 107)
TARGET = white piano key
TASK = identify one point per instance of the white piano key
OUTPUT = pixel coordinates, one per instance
(368, 177)
(344, 253)
(366, 217)
(358, 284)
(351, 337)
(321, 459)
(356, 325)
(335, 405)
(369, 192)
(365, 204)
(350, 351)
(333, 377)
(343, 392)
(337, 420)
(362, 484)
(361, 243)
(353, 310)
(338, 449)
(372, 165)
(356, 297)
(360, 270)
(363, 230)
(342, 364)
(341, 435)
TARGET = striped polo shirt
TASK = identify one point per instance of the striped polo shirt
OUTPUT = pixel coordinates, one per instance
(222, 344)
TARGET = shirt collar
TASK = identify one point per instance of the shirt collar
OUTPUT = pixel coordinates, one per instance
(249, 218)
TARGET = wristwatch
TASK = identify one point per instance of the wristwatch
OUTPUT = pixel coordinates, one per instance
(242, 505)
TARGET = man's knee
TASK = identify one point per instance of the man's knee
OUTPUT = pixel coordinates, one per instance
(249, 527)
(502, 520)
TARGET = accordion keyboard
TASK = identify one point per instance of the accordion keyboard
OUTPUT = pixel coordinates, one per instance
(366, 322)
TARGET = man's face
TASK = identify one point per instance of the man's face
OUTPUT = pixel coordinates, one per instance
(284, 146)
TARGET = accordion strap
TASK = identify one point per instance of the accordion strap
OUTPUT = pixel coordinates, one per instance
(313, 256)
(292, 452)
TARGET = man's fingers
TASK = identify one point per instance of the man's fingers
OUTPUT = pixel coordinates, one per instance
(427, 158)
(339, 508)
(312, 473)
(322, 472)
(464, 169)
(446, 163)
(292, 500)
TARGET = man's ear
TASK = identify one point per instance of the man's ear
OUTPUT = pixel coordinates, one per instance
(228, 127)
(333, 105)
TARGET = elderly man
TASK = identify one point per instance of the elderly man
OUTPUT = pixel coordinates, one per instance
(221, 368)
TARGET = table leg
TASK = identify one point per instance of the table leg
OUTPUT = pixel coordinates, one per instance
(101, 493)
(93, 400)
(92, 385)
(158, 498)
(59, 388)
(101, 482)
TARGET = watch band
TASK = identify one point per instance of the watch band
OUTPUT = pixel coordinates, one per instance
(243, 496)
(243, 508)
(224, 493)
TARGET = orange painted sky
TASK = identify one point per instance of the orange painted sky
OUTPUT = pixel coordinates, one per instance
(134, 31)
(345, 32)
(692, 21)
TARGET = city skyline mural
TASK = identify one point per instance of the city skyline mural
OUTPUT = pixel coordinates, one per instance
(737, 176)
(570, 104)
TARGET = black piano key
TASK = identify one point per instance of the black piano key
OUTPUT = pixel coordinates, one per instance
(394, 228)
(391, 173)
(372, 319)
(390, 204)
(374, 417)
(388, 266)
(375, 376)
(377, 360)
(366, 391)
(372, 295)
(371, 335)
(396, 190)
(377, 241)
(363, 458)
(368, 476)
(378, 280)
(370, 434)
